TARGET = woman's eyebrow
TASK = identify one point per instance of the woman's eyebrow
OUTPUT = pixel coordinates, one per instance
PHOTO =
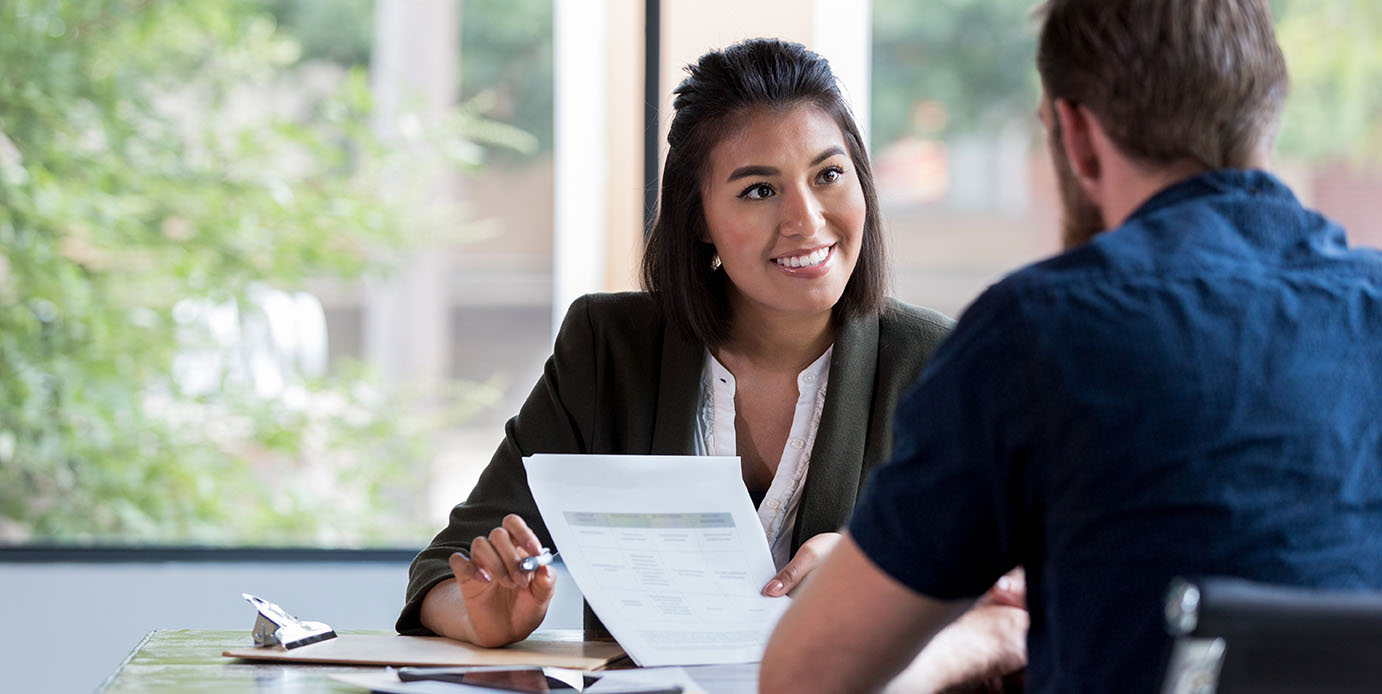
(746, 171)
(827, 154)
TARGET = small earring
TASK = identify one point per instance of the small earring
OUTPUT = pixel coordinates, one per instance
(715, 262)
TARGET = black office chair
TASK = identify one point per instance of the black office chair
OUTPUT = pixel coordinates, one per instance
(1237, 637)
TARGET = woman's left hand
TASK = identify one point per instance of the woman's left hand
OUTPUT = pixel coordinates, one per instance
(808, 557)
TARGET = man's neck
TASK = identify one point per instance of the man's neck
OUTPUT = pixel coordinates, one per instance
(1138, 182)
(1135, 184)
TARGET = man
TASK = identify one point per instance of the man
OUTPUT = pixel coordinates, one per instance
(1196, 390)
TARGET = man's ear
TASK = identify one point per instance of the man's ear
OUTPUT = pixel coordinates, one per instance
(1077, 125)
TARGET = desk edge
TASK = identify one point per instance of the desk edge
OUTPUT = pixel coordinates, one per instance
(115, 674)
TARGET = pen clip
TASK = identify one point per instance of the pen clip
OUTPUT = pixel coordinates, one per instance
(534, 562)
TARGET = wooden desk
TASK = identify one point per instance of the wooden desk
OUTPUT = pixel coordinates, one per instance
(189, 660)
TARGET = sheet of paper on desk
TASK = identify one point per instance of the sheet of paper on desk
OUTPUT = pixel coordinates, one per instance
(387, 681)
(614, 680)
(668, 551)
(611, 682)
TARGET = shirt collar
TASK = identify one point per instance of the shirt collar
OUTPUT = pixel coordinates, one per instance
(1250, 181)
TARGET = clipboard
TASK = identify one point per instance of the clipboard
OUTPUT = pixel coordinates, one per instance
(556, 650)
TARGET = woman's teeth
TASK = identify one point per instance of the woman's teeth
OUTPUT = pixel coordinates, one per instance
(813, 258)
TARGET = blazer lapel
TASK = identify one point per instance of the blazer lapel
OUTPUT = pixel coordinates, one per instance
(837, 458)
(677, 392)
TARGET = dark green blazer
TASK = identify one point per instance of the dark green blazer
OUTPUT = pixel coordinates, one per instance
(621, 380)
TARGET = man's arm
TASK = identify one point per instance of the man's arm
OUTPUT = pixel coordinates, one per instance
(852, 628)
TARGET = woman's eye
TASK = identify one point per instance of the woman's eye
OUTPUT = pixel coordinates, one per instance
(757, 191)
(831, 175)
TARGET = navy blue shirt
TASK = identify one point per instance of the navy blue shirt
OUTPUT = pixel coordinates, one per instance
(1198, 391)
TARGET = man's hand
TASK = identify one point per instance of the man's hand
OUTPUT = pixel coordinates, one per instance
(850, 628)
(975, 653)
(1010, 590)
(980, 649)
(492, 602)
(808, 556)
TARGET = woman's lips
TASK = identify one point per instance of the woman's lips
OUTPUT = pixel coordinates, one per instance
(810, 264)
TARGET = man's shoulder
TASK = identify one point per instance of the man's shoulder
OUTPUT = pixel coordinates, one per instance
(1206, 229)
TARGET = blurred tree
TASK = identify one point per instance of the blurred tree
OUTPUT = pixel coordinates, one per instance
(506, 56)
(506, 64)
(972, 58)
(1334, 52)
(336, 30)
(137, 170)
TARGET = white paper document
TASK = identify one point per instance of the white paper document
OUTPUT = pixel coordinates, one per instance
(634, 681)
(668, 551)
(612, 681)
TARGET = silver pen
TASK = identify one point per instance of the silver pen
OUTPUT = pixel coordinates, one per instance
(532, 563)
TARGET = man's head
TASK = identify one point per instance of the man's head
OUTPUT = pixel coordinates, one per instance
(1172, 84)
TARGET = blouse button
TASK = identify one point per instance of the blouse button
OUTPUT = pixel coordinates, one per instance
(809, 378)
(796, 443)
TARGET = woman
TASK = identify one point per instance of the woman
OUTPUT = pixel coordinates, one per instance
(764, 333)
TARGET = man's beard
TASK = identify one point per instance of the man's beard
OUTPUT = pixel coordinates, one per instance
(1080, 218)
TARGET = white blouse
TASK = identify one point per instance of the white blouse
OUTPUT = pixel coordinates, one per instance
(715, 436)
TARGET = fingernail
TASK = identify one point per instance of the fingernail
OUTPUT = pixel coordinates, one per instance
(1005, 583)
(774, 587)
(484, 575)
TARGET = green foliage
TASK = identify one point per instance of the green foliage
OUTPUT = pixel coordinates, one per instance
(1334, 51)
(340, 31)
(136, 171)
(973, 57)
(505, 63)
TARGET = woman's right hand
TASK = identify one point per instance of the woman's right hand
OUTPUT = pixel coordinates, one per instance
(504, 603)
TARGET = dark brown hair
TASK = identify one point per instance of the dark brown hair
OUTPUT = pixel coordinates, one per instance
(1169, 80)
(758, 73)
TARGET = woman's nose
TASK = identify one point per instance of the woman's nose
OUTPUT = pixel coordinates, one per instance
(801, 212)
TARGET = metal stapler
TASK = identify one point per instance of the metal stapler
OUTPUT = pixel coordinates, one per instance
(276, 627)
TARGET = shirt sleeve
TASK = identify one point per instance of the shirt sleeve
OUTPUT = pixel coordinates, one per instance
(944, 515)
(554, 419)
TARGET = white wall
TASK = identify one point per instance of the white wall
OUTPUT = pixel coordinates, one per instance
(100, 611)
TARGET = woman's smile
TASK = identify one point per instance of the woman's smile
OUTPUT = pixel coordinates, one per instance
(811, 263)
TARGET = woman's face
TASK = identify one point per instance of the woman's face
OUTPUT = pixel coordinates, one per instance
(785, 211)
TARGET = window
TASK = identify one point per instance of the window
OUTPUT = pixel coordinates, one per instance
(260, 263)
(963, 174)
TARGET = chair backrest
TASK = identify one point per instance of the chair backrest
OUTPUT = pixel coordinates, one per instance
(1234, 636)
